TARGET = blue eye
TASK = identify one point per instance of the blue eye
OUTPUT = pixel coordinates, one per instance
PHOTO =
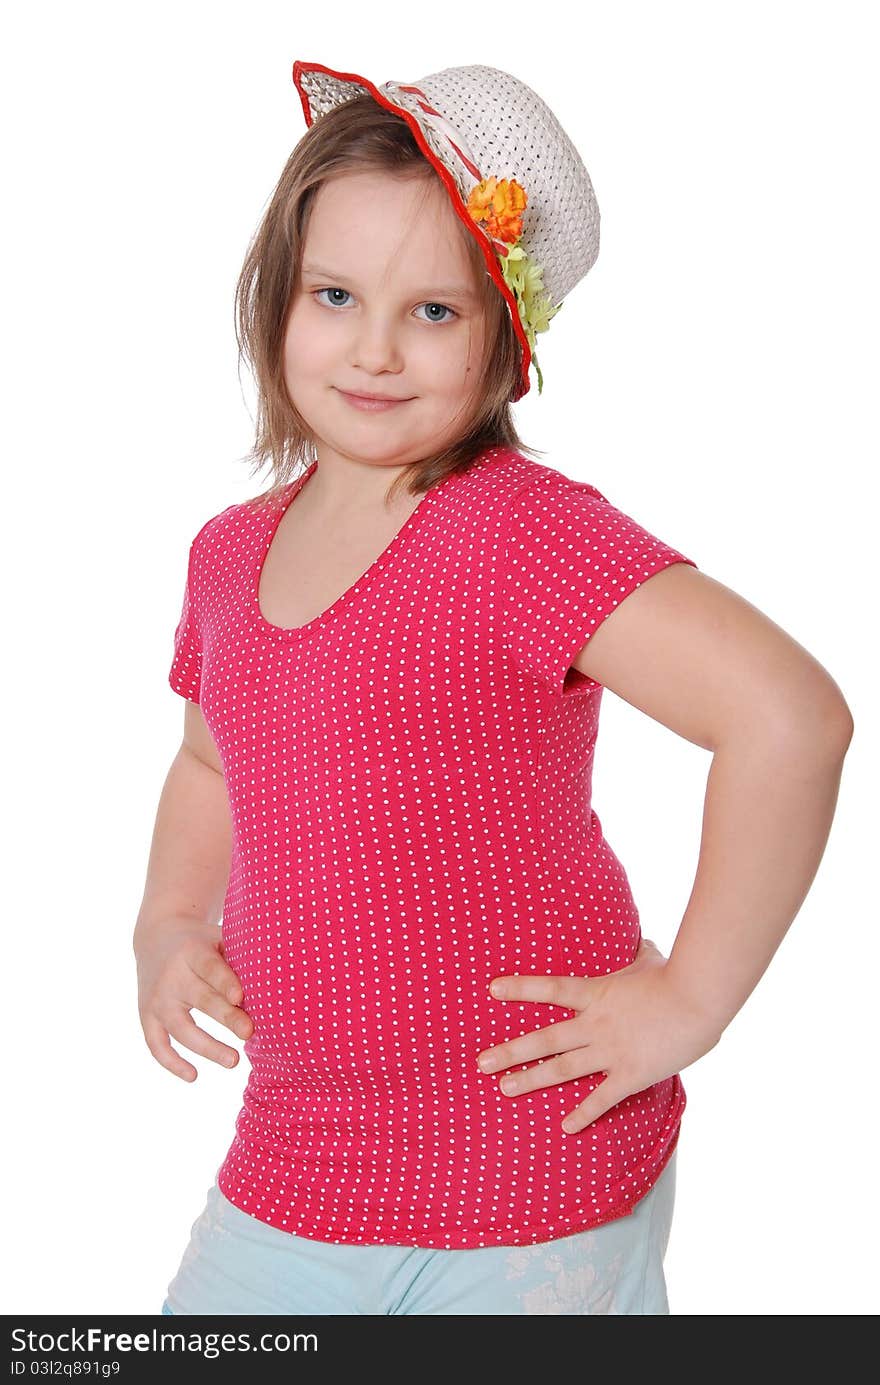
(317, 291)
(345, 292)
(442, 307)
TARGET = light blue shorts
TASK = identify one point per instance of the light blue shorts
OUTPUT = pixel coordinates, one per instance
(236, 1264)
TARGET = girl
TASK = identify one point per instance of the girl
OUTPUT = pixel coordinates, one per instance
(464, 1093)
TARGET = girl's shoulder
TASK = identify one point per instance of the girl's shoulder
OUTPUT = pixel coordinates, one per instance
(230, 523)
(511, 469)
(226, 541)
(532, 482)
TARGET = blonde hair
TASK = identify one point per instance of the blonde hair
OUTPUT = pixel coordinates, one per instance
(356, 136)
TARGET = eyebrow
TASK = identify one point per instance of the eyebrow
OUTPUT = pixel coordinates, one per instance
(451, 291)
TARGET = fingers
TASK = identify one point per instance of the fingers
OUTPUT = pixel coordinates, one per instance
(157, 1043)
(540, 1044)
(175, 981)
(570, 992)
(184, 1028)
(576, 1062)
(606, 1095)
(201, 995)
(586, 1061)
(218, 973)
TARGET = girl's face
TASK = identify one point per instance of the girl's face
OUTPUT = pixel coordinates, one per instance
(386, 305)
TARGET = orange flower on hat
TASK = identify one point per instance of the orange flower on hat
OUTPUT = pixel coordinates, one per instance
(498, 204)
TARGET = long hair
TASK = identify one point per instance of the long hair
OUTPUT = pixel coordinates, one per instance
(355, 136)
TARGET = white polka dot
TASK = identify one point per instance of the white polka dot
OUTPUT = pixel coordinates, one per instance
(409, 781)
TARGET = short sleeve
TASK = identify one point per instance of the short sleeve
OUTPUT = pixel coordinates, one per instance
(186, 666)
(571, 557)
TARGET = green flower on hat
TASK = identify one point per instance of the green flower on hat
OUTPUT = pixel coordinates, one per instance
(497, 204)
(524, 279)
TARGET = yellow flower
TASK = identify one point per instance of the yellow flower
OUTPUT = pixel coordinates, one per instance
(524, 279)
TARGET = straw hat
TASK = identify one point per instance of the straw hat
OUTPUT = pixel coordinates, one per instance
(513, 176)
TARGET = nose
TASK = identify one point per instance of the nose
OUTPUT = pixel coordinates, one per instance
(375, 346)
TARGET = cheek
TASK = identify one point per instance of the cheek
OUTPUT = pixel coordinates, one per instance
(306, 348)
(446, 363)
(292, 342)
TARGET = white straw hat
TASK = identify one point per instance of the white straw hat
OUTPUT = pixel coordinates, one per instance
(513, 176)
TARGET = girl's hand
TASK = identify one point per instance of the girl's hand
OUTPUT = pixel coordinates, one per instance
(180, 967)
(632, 1025)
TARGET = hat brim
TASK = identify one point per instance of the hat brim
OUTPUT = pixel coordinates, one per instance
(300, 74)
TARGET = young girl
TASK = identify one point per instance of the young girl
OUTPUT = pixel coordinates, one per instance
(464, 1093)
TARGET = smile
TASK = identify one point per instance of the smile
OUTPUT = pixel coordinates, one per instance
(358, 401)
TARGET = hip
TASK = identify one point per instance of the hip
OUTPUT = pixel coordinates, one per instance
(237, 1264)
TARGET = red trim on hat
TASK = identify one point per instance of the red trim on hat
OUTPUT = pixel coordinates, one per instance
(455, 197)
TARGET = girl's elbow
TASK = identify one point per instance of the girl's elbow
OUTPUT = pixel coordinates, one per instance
(829, 723)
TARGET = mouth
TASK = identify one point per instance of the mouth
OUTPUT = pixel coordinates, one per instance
(372, 403)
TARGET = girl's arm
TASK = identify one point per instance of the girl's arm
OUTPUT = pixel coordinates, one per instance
(177, 940)
(697, 657)
(188, 869)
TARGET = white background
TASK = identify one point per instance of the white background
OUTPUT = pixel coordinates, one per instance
(714, 375)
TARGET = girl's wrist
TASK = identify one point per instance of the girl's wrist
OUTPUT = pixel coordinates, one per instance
(151, 923)
(690, 996)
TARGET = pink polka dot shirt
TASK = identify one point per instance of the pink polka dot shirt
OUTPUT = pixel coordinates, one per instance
(409, 779)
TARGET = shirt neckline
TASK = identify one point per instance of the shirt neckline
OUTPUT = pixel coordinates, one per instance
(404, 534)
